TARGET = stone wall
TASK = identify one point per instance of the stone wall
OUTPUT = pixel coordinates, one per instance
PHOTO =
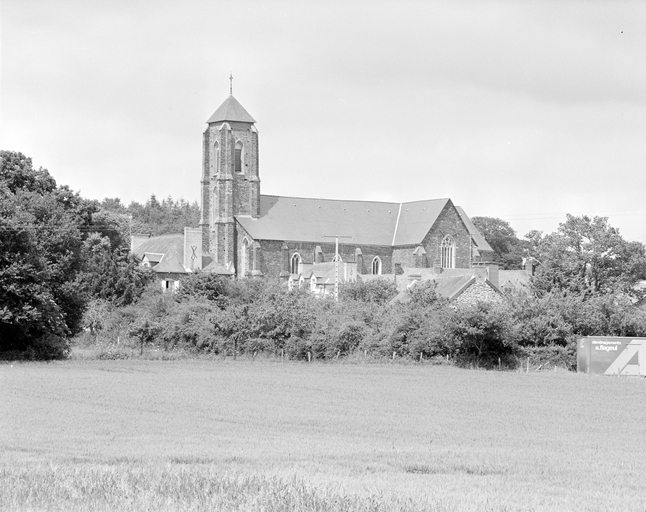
(273, 257)
(480, 291)
(226, 193)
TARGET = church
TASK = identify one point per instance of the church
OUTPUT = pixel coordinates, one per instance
(245, 233)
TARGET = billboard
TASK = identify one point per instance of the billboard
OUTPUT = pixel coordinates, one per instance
(609, 355)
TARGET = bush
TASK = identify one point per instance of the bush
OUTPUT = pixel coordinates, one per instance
(253, 316)
(482, 330)
(378, 291)
(349, 337)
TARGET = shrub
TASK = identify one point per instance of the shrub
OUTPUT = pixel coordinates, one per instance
(204, 285)
(348, 338)
(378, 291)
(146, 331)
(482, 330)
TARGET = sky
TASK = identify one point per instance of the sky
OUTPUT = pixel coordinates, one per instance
(525, 111)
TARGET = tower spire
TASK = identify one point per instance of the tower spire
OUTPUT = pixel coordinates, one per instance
(230, 84)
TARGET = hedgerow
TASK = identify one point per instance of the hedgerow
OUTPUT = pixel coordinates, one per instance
(249, 317)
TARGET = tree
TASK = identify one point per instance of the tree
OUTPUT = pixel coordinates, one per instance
(483, 330)
(587, 255)
(40, 247)
(154, 217)
(503, 240)
(112, 274)
(57, 251)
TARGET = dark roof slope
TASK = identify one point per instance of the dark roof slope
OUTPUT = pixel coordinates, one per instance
(367, 222)
(171, 250)
(416, 220)
(309, 220)
(479, 240)
(514, 279)
(171, 246)
(231, 110)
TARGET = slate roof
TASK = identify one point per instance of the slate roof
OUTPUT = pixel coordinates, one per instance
(479, 240)
(416, 219)
(367, 222)
(231, 110)
(326, 271)
(171, 246)
(208, 265)
(513, 279)
(308, 220)
(168, 250)
(451, 287)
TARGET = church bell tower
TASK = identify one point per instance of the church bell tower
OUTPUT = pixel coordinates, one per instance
(230, 180)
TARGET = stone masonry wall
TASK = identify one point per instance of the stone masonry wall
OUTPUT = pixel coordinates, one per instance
(273, 258)
(230, 193)
(480, 291)
(449, 223)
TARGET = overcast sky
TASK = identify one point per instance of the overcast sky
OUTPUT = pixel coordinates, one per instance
(520, 110)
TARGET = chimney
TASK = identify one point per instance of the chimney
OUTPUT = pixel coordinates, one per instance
(494, 274)
(488, 269)
(529, 264)
(192, 249)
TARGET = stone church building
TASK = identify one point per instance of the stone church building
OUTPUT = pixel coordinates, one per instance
(246, 233)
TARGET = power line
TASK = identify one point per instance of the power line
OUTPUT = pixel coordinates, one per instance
(550, 215)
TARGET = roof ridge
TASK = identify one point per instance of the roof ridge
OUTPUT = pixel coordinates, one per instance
(333, 200)
(165, 235)
(399, 213)
(427, 200)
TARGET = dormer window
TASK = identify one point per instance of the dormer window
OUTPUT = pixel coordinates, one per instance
(237, 161)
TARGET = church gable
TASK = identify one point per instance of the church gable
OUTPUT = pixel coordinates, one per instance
(415, 219)
(448, 230)
(445, 244)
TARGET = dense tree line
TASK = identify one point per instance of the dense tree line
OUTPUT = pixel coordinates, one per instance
(153, 217)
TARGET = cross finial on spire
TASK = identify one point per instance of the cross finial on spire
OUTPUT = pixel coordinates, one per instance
(231, 84)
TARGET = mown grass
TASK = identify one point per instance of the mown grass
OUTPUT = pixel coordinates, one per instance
(259, 435)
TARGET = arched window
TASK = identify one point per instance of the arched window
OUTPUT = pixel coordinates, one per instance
(337, 257)
(237, 161)
(216, 157)
(295, 264)
(376, 266)
(448, 252)
(244, 257)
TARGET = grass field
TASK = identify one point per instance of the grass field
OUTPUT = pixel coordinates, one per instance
(261, 435)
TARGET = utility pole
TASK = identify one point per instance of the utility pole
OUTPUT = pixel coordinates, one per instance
(336, 263)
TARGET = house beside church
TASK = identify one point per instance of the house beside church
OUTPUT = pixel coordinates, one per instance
(174, 256)
(249, 234)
